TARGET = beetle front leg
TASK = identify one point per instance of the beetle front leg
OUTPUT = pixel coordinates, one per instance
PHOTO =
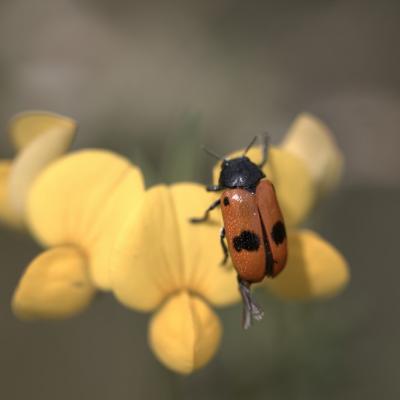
(251, 310)
(223, 245)
(213, 188)
(207, 212)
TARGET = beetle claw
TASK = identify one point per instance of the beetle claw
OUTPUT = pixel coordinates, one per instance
(256, 312)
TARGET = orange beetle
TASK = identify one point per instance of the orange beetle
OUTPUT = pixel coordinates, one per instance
(253, 226)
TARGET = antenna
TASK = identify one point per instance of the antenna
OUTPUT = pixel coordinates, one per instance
(265, 141)
(211, 153)
(250, 145)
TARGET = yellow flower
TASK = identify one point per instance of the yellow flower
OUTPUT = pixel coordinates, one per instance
(315, 269)
(76, 207)
(39, 138)
(162, 262)
(165, 264)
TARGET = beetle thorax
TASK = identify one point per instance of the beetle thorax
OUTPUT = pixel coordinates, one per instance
(240, 173)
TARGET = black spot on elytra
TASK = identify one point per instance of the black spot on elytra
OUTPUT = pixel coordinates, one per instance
(226, 201)
(278, 233)
(247, 240)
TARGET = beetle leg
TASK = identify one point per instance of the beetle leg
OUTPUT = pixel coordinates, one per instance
(265, 148)
(223, 245)
(205, 216)
(251, 310)
(213, 188)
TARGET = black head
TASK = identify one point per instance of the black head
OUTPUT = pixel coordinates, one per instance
(240, 172)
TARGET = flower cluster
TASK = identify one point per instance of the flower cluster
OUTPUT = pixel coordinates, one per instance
(104, 231)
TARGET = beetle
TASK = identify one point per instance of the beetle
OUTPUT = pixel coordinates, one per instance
(254, 227)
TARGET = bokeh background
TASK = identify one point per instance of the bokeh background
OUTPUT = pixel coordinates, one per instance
(154, 80)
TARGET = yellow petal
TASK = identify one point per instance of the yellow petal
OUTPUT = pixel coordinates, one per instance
(32, 159)
(315, 269)
(146, 262)
(7, 215)
(160, 252)
(185, 333)
(55, 285)
(27, 126)
(84, 198)
(312, 141)
(292, 179)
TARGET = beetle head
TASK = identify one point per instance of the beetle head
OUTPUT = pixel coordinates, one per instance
(240, 172)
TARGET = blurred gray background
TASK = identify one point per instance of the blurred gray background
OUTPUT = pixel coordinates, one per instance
(155, 80)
